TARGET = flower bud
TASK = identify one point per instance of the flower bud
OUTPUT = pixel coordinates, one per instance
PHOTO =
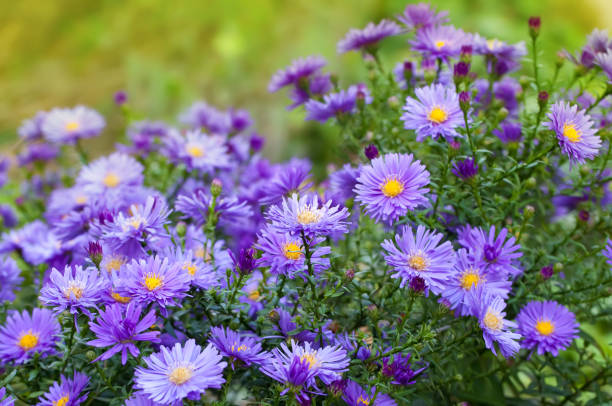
(349, 274)
(464, 101)
(408, 71)
(546, 272)
(531, 182)
(417, 284)
(558, 267)
(502, 114)
(181, 229)
(274, 316)
(120, 98)
(216, 187)
(91, 355)
(528, 212)
(534, 26)
(393, 102)
(466, 53)
(371, 151)
(583, 215)
(542, 99)
(94, 250)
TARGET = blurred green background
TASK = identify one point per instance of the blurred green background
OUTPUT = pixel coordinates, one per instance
(168, 53)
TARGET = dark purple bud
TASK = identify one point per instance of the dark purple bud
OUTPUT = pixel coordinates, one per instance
(120, 98)
(408, 71)
(587, 58)
(371, 151)
(542, 99)
(408, 66)
(465, 169)
(256, 142)
(94, 250)
(417, 284)
(454, 144)
(241, 120)
(461, 69)
(547, 272)
(349, 274)
(464, 101)
(363, 353)
(19, 200)
(337, 387)
(501, 68)
(8, 218)
(105, 216)
(246, 261)
(534, 26)
(466, 50)
(584, 215)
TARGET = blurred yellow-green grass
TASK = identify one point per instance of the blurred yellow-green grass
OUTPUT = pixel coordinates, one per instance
(167, 54)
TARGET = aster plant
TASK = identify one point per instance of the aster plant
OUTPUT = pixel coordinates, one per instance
(454, 246)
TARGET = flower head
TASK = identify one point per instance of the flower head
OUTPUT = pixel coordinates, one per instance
(465, 169)
(434, 112)
(368, 37)
(604, 61)
(335, 104)
(237, 346)
(6, 401)
(548, 326)
(230, 210)
(114, 172)
(202, 116)
(355, 395)
(422, 15)
(293, 177)
(31, 128)
(420, 255)
(10, 278)
(492, 249)
(197, 150)
(444, 41)
(400, 369)
(173, 373)
(201, 273)
(575, 132)
(67, 125)
(119, 327)
(391, 185)
(24, 335)
(509, 131)
(69, 392)
(299, 69)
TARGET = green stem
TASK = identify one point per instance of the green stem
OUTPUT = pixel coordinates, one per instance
(535, 62)
(82, 154)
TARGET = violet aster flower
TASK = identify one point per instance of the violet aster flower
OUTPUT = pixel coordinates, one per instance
(367, 38)
(343, 182)
(111, 172)
(422, 15)
(575, 132)
(507, 91)
(465, 169)
(228, 209)
(548, 326)
(129, 234)
(38, 152)
(119, 327)
(145, 136)
(308, 215)
(284, 254)
(334, 105)
(202, 116)
(400, 369)
(30, 129)
(299, 70)
(153, 280)
(69, 392)
(607, 252)
(174, 373)
(294, 177)
(499, 254)
(24, 335)
(236, 346)
(434, 112)
(201, 274)
(76, 290)
(355, 395)
(441, 42)
(10, 278)
(391, 185)
(6, 401)
(140, 399)
(67, 125)
(8, 217)
(245, 262)
(509, 54)
(489, 310)
(421, 255)
(469, 274)
(509, 131)
(604, 61)
(405, 74)
(197, 150)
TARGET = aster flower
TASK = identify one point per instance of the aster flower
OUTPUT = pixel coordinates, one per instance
(197, 150)
(309, 216)
(8, 217)
(201, 273)
(10, 278)
(607, 252)
(421, 255)
(153, 280)
(69, 392)
(197, 206)
(443, 42)
(604, 61)
(139, 399)
(284, 254)
(355, 395)
(236, 346)
(469, 274)
(8, 401)
(202, 116)
(575, 132)
(499, 254)
(509, 132)
(38, 152)
(343, 181)
(391, 185)
(115, 171)
(400, 369)
(465, 169)
(508, 54)
(67, 125)
(489, 310)
(434, 112)
(145, 137)
(299, 69)
(507, 90)
(174, 373)
(119, 327)
(309, 88)
(548, 326)
(76, 290)
(422, 15)
(31, 128)
(367, 38)
(24, 335)
(294, 177)
(336, 104)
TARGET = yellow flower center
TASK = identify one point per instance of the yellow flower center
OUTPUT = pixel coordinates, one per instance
(310, 358)
(363, 401)
(194, 151)
(292, 251)
(308, 216)
(152, 281)
(27, 341)
(254, 295)
(72, 126)
(440, 44)
(239, 348)
(114, 264)
(392, 187)
(190, 267)
(81, 199)
(570, 132)
(492, 321)
(76, 290)
(545, 327)
(111, 180)
(437, 115)
(61, 401)
(120, 299)
(180, 375)
(470, 279)
(135, 222)
(493, 44)
(418, 262)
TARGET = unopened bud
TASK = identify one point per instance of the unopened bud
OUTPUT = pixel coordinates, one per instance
(534, 26)
(542, 99)
(558, 267)
(528, 212)
(502, 114)
(371, 151)
(464, 101)
(216, 187)
(181, 229)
